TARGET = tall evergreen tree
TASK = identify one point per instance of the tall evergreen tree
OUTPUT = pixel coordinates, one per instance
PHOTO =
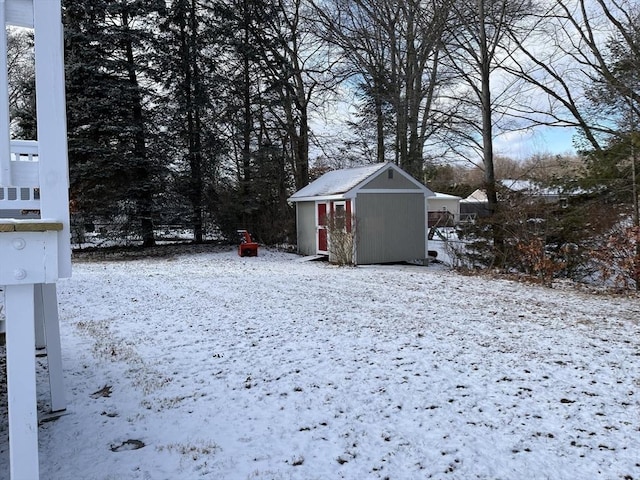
(187, 70)
(260, 117)
(279, 55)
(112, 172)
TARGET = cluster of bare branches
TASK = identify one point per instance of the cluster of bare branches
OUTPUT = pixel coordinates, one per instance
(341, 236)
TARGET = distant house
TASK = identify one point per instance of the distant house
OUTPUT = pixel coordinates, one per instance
(383, 205)
(474, 206)
(444, 210)
(535, 191)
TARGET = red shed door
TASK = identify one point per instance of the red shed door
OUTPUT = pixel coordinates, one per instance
(322, 228)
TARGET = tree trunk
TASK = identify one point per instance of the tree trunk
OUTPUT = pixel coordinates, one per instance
(487, 132)
(380, 151)
(189, 58)
(302, 153)
(195, 128)
(144, 195)
(247, 125)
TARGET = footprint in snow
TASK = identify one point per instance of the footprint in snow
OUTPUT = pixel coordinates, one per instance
(127, 445)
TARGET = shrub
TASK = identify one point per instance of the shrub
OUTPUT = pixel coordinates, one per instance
(342, 239)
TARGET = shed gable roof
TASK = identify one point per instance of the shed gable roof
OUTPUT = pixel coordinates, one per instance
(341, 182)
(337, 181)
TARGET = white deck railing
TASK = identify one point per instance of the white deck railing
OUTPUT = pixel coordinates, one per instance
(21, 190)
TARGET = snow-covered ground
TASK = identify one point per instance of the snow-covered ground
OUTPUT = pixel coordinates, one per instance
(219, 367)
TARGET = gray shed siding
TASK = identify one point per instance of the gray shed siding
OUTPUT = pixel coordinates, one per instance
(383, 181)
(306, 226)
(390, 227)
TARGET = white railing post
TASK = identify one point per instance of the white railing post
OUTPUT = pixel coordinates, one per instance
(52, 124)
(5, 153)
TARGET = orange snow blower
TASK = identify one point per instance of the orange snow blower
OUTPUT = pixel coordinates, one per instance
(247, 247)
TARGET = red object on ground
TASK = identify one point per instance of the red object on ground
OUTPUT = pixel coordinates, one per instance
(247, 247)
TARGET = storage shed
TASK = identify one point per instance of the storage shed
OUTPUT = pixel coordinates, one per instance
(382, 205)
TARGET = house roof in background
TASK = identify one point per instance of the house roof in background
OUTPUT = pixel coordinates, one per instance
(533, 188)
(525, 187)
(444, 196)
(518, 185)
(478, 196)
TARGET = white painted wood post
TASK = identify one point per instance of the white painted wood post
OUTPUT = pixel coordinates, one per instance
(21, 383)
(5, 151)
(52, 123)
(54, 350)
(47, 327)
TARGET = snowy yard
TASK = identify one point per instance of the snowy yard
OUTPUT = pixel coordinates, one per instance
(219, 367)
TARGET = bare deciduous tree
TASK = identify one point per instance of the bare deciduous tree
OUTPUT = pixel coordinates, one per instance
(568, 50)
(392, 53)
(477, 46)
